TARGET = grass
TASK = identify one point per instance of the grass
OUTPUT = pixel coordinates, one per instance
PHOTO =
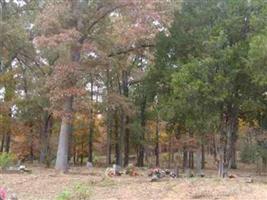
(78, 192)
(106, 182)
(82, 185)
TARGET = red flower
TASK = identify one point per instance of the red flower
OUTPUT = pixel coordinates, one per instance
(2, 194)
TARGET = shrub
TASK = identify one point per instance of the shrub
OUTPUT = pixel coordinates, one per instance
(251, 153)
(79, 192)
(65, 195)
(6, 159)
(82, 192)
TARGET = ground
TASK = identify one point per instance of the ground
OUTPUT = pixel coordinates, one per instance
(46, 184)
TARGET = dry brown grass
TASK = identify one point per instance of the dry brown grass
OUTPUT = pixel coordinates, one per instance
(46, 184)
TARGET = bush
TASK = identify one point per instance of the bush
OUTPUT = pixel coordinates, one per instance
(251, 153)
(79, 192)
(65, 195)
(82, 192)
(6, 160)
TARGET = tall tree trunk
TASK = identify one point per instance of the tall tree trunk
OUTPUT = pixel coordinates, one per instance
(214, 148)
(140, 158)
(187, 164)
(109, 134)
(7, 142)
(65, 131)
(121, 136)
(233, 146)
(74, 154)
(8, 134)
(127, 142)
(108, 121)
(221, 161)
(91, 124)
(191, 159)
(184, 158)
(222, 145)
(3, 142)
(170, 150)
(81, 158)
(45, 135)
(31, 143)
(126, 120)
(157, 141)
(202, 156)
(116, 131)
(231, 129)
(233, 151)
(191, 154)
(199, 161)
(90, 141)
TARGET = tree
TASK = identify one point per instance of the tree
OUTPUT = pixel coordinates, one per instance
(207, 47)
(16, 50)
(75, 29)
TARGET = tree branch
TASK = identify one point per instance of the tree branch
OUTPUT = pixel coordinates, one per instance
(105, 14)
(130, 49)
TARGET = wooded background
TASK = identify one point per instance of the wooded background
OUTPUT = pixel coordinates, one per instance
(128, 80)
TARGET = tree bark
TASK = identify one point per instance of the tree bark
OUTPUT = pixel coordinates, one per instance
(214, 148)
(7, 142)
(231, 122)
(91, 126)
(108, 121)
(3, 142)
(65, 131)
(191, 159)
(221, 161)
(221, 149)
(187, 164)
(116, 131)
(170, 150)
(121, 136)
(74, 154)
(184, 158)
(140, 159)
(202, 156)
(127, 142)
(199, 161)
(31, 143)
(109, 134)
(233, 146)
(45, 135)
(157, 142)
(8, 133)
(126, 120)
(81, 158)
(233, 151)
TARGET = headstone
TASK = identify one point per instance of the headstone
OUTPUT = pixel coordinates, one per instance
(89, 165)
(117, 169)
